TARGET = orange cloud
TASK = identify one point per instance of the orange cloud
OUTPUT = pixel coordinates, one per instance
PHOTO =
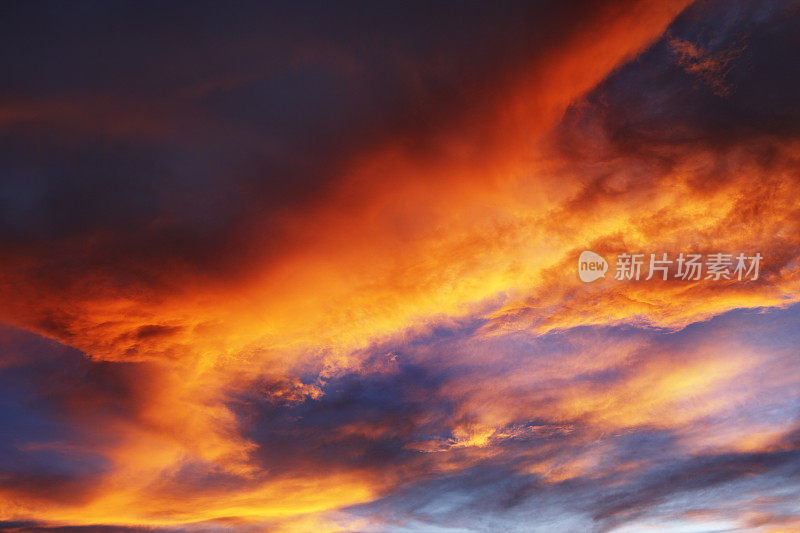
(481, 217)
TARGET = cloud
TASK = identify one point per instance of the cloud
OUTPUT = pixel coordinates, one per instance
(313, 268)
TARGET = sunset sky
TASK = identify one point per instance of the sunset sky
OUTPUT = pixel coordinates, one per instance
(313, 266)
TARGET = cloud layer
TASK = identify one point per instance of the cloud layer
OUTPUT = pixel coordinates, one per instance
(312, 268)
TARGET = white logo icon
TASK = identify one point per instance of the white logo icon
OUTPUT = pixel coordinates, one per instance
(591, 266)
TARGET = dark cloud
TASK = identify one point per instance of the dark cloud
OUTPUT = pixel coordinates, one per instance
(722, 75)
(360, 422)
(146, 147)
(58, 414)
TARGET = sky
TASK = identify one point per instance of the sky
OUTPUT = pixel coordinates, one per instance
(314, 266)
